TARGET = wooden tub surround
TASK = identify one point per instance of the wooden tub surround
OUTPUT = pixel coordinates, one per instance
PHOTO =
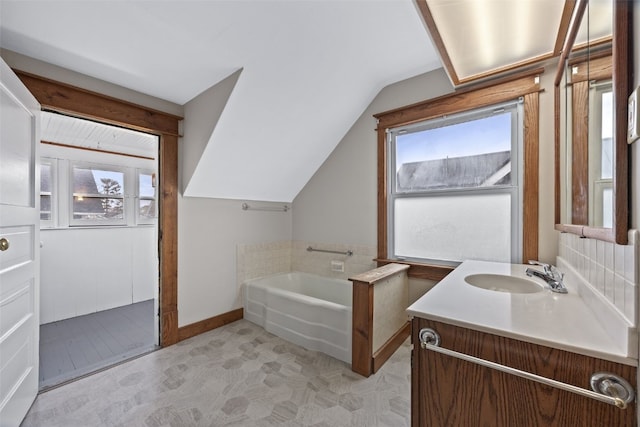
(380, 322)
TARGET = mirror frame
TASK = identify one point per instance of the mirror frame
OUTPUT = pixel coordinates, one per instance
(621, 76)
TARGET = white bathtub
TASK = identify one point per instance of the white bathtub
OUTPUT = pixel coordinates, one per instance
(311, 311)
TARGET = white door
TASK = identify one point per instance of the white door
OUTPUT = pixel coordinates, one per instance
(19, 248)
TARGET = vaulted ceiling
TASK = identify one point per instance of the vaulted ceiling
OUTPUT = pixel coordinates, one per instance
(305, 71)
(277, 83)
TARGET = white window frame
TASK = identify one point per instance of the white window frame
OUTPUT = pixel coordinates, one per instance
(139, 219)
(600, 213)
(515, 189)
(74, 222)
(53, 194)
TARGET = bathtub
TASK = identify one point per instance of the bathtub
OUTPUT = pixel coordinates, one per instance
(311, 311)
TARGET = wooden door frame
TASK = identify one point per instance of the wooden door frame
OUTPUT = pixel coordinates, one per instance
(74, 101)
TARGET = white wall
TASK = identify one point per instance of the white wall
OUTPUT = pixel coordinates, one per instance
(201, 116)
(338, 204)
(208, 232)
(85, 270)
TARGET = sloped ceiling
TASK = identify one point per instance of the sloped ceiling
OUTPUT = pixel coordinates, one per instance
(306, 69)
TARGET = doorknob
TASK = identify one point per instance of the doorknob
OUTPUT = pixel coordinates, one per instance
(4, 244)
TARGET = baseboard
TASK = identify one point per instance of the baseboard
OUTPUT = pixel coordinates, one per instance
(387, 349)
(205, 325)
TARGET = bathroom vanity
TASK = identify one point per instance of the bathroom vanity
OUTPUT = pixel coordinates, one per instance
(516, 355)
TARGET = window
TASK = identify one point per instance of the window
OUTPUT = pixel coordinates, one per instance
(79, 193)
(47, 174)
(601, 154)
(98, 195)
(454, 187)
(414, 213)
(146, 197)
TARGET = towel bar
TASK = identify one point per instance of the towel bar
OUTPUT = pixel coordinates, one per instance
(348, 252)
(247, 207)
(610, 388)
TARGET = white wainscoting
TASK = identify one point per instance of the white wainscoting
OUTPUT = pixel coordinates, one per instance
(85, 270)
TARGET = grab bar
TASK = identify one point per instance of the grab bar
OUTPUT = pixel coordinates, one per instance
(609, 388)
(348, 252)
(246, 207)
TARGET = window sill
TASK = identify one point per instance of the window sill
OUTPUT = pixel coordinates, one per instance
(419, 270)
(95, 227)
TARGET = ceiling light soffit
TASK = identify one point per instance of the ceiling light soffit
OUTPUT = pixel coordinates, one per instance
(479, 39)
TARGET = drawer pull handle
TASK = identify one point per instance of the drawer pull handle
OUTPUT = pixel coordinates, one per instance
(609, 388)
(4, 244)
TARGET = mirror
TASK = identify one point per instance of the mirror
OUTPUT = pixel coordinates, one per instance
(591, 89)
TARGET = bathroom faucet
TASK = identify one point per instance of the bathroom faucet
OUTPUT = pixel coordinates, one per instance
(551, 275)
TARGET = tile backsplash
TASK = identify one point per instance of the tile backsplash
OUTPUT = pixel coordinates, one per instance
(320, 263)
(611, 269)
(265, 259)
(259, 260)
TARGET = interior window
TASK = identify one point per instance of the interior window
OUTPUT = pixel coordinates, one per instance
(454, 190)
(46, 193)
(146, 197)
(601, 154)
(98, 195)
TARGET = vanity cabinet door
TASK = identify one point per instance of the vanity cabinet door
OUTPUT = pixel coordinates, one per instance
(447, 391)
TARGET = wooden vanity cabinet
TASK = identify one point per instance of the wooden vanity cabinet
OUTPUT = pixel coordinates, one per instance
(446, 391)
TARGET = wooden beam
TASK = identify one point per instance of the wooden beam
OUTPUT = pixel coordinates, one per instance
(168, 232)
(362, 329)
(79, 102)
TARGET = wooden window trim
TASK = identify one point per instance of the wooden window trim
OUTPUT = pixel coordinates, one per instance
(71, 100)
(525, 85)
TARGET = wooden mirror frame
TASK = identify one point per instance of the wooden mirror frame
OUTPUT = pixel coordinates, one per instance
(621, 76)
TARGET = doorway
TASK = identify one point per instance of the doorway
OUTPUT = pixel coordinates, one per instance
(99, 246)
(61, 97)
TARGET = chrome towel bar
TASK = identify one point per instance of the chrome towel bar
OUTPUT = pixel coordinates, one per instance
(348, 252)
(247, 207)
(610, 388)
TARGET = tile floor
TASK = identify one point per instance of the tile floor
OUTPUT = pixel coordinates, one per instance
(236, 375)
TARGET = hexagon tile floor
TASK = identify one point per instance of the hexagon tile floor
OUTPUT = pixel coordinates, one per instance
(236, 375)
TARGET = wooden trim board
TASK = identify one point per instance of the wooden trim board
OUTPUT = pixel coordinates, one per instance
(209, 324)
(388, 348)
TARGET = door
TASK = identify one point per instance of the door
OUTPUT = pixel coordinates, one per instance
(19, 248)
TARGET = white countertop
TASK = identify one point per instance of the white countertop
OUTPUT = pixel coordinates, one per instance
(562, 321)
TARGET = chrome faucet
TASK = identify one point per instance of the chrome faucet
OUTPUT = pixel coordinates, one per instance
(551, 275)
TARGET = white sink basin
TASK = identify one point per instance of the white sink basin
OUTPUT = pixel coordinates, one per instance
(502, 283)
